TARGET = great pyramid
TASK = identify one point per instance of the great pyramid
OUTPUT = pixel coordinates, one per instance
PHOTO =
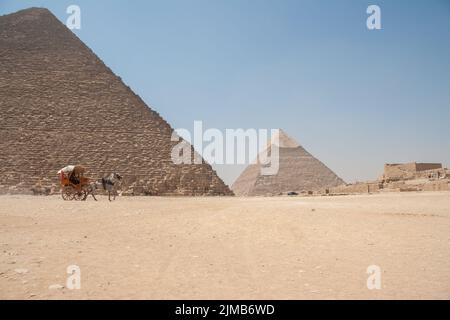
(60, 104)
(298, 171)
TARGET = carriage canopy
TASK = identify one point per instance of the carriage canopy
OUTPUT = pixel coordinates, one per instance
(75, 169)
(66, 170)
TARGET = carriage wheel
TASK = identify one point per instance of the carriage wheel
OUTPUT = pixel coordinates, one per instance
(80, 195)
(67, 193)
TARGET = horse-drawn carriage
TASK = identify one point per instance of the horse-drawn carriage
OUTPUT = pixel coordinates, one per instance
(74, 185)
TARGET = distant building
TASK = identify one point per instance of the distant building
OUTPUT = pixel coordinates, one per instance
(405, 171)
(402, 177)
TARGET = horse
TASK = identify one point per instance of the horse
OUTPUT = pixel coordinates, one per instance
(109, 184)
(90, 190)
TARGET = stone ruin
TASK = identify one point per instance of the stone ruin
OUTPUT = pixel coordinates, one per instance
(60, 105)
(414, 170)
(402, 177)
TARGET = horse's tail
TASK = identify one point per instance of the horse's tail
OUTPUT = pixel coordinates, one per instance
(104, 183)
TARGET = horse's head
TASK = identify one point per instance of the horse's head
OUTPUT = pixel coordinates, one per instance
(117, 176)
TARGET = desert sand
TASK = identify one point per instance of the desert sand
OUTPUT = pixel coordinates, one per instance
(226, 247)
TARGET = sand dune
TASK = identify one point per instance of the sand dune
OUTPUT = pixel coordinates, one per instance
(226, 247)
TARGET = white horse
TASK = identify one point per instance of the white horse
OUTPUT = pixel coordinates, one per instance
(110, 183)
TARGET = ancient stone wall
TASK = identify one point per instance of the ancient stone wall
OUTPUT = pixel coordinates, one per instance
(428, 166)
(441, 185)
(405, 171)
(401, 178)
(399, 171)
(60, 104)
(357, 188)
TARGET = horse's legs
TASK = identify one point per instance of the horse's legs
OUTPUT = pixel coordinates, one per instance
(109, 195)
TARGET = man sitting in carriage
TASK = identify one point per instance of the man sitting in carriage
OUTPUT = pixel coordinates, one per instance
(70, 173)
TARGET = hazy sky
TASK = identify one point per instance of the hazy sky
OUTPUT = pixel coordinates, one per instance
(352, 97)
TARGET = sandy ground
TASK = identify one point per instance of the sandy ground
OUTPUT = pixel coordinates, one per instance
(226, 248)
